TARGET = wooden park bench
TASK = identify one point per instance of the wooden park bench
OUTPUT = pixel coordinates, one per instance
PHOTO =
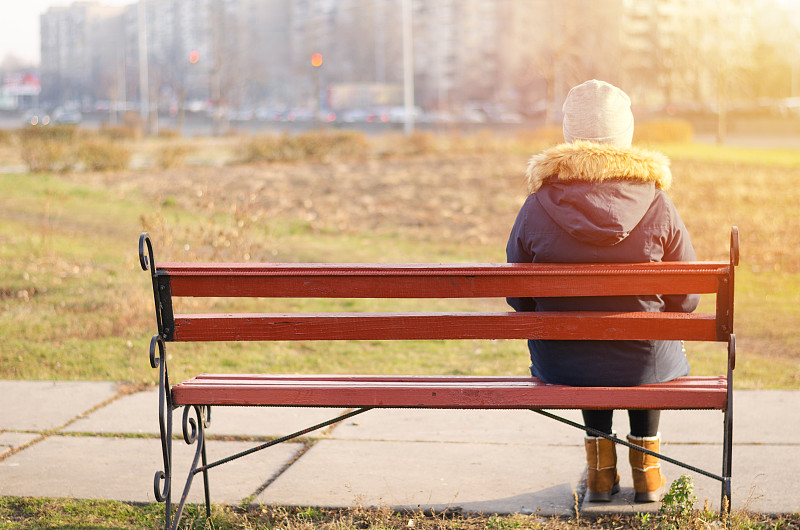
(360, 393)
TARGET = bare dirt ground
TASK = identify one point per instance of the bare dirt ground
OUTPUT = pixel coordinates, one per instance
(470, 199)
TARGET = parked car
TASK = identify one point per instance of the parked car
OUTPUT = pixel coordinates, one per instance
(471, 116)
(789, 106)
(398, 114)
(507, 117)
(300, 114)
(36, 117)
(354, 115)
(438, 116)
(67, 116)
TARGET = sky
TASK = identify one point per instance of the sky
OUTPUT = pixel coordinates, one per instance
(19, 26)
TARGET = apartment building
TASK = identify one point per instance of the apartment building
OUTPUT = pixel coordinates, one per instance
(517, 54)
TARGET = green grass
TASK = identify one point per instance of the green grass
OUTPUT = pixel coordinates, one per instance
(785, 158)
(41, 513)
(18, 512)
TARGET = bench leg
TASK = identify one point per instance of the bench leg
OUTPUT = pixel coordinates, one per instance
(194, 432)
(206, 493)
(158, 359)
(727, 443)
(727, 453)
(165, 494)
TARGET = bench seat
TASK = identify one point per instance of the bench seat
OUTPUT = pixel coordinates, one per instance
(443, 392)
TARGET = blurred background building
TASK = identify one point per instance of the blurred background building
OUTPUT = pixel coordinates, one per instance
(479, 59)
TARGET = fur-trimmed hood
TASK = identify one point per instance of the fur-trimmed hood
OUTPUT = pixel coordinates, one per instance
(593, 162)
(598, 193)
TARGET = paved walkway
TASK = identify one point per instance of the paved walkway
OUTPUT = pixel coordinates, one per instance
(92, 440)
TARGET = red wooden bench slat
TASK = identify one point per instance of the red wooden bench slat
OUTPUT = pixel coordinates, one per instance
(451, 392)
(436, 269)
(574, 325)
(211, 379)
(440, 281)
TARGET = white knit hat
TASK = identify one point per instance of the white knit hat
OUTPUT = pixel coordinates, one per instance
(599, 112)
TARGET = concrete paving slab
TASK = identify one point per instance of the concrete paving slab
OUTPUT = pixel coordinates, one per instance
(123, 469)
(755, 414)
(764, 479)
(479, 478)
(759, 417)
(479, 426)
(138, 413)
(398, 458)
(42, 405)
(10, 441)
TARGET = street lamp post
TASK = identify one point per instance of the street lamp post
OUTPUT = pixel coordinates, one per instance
(316, 62)
(408, 69)
(144, 83)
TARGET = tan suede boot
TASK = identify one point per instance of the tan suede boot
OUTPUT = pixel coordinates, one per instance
(647, 477)
(602, 478)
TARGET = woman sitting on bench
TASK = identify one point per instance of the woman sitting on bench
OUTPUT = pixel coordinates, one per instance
(597, 199)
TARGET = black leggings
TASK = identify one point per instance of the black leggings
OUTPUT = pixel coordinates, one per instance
(643, 422)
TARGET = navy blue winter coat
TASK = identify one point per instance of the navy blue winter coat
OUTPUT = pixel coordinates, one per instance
(598, 203)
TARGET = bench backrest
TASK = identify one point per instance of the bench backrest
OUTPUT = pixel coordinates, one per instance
(308, 280)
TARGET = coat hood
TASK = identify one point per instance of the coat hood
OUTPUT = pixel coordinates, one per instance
(593, 162)
(596, 192)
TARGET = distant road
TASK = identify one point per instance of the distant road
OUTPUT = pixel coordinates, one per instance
(202, 125)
